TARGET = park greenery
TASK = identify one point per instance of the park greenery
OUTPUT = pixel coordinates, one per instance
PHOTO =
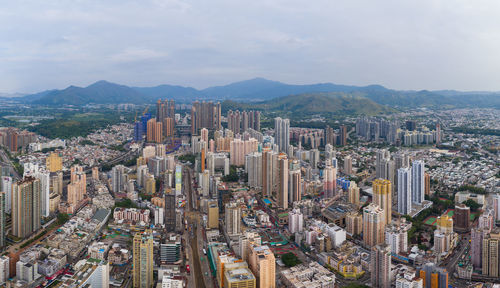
(472, 188)
(187, 158)
(289, 259)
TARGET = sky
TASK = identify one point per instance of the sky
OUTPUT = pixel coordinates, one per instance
(411, 44)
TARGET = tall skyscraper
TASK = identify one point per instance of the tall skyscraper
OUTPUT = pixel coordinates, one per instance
(330, 137)
(418, 181)
(381, 266)
(476, 250)
(353, 195)
(269, 166)
(348, 165)
(329, 181)
(53, 162)
(461, 218)
(253, 167)
(404, 191)
(165, 110)
(282, 133)
(233, 219)
(343, 135)
(283, 181)
(373, 225)
(382, 196)
(438, 134)
(382, 157)
(433, 276)
(2, 220)
(170, 214)
(490, 254)
(294, 182)
(26, 207)
(143, 260)
(205, 115)
(239, 122)
(117, 178)
(263, 265)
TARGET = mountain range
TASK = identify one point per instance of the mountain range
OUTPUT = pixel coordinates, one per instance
(262, 90)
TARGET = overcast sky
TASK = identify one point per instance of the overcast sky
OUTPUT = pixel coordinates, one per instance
(420, 44)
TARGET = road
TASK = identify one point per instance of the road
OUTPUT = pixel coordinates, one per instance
(192, 237)
(6, 160)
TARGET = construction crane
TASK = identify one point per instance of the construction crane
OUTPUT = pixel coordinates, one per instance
(145, 110)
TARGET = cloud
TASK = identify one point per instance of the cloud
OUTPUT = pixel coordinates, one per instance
(426, 44)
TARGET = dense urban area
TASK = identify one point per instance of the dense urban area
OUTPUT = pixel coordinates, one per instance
(204, 195)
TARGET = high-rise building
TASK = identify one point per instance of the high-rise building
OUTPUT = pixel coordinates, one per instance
(330, 137)
(353, 193)
(432, 276)
(348, 165)
(418, 181)
(6, 187)
(396, 236)
(170, 214)
(380, 263)
(53, 162)
(269, 166)
(2, 221)
(26, 207)
(282, 133)
(404, 191)
(253, 167)
(118, 178)
(4, 269)
(382, 157)
(205, 115)
(294, 182)
(329, 181)
(239, 122)
(213, 215)
(233, 218)
(154, 131)
(373, 225)
(295, 221)
(427, 183)
(438, 134)
(143, 260)
(382, 196)
(490, 254)
(263, 265)
(476, 249)
(238, 275)
(354, 223)
(283, 181)
(165, 109)
(461, 218)
(343, 135)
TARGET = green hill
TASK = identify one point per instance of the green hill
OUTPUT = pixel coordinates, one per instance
(315, 103)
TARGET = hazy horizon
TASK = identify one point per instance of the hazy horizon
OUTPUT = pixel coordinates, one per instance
(416, 45)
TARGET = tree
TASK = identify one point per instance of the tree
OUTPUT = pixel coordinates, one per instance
(290, 260)
(473, 205)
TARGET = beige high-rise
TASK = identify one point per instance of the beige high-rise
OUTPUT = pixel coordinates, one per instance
(382, 196)
(491, 246)
(373, 225)
(263, 265)
(26, 208)
(53, 162)
(143, 260)
(353, 193)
